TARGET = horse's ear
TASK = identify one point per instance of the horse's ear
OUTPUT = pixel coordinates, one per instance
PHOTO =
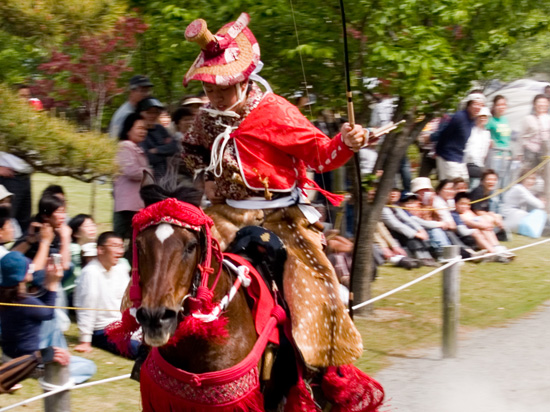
(147, 179)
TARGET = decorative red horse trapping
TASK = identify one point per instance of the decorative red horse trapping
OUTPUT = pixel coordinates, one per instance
(167, 388)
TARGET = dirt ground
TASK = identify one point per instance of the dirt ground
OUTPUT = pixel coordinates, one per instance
(503, 369)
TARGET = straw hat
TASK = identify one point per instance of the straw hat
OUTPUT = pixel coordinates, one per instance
(227, 58)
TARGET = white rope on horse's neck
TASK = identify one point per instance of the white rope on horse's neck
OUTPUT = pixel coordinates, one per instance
(220, 142)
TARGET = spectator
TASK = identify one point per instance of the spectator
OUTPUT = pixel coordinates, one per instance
(158, 144)
(484, 203)
(453, 137)
(485, 237)
(183, 119)
(500, 158)
(193, 103)
(6, 230)
(6, 200)
(436, 229)
(48, 234)
(132, 162)
(408, 232)
(101, 286)
(140, 87)
(536, 132)
(519, 202)
(460, 185)
(477, 148)
(55, 190)
(84, 231)
(21, 325)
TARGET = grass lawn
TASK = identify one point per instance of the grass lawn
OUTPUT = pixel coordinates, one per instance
(491, 295)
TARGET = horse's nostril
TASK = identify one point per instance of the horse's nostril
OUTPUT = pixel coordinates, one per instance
(168, 315)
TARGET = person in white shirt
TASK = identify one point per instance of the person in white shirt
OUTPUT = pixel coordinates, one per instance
(101, 286)
(477, 148)
(140, 88)
(519, 202)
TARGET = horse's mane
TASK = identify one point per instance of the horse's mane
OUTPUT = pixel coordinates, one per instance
(172, 185)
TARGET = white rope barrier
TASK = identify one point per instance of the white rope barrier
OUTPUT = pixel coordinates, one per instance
(439, 269)
(406, 285)
(68, 386)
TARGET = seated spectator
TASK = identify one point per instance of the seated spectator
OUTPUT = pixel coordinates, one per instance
(102, 285)
(21, 324)
(408, 232)
(84, 231)
(444, 203)
(486, 239)
(485, 204)
(436, 229)
(519, 202)
(5, 200)
(460, 185)
(48, 234)
(388, 249)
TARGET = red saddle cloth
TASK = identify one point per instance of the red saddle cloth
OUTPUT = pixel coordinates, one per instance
(167, 388)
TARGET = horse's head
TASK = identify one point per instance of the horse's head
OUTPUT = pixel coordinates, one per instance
(168, 256)
(169, 245)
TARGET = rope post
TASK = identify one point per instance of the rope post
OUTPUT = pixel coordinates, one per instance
(56, 374)
(451, 302)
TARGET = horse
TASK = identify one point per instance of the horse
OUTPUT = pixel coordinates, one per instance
(207, 338)
(178, 280)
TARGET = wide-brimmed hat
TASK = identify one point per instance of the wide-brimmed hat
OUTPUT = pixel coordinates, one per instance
(4, 192)
(420, 183)
(227, 58)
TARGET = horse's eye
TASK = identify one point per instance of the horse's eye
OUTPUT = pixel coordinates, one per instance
(190, 248)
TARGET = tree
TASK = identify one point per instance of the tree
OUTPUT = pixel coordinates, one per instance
(91, 67)
(52, 145)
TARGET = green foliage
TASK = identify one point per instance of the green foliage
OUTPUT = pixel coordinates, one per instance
(50, 144)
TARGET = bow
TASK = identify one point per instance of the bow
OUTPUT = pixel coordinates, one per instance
(356, 161)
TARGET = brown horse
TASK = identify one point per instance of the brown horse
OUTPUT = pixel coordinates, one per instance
(170, 254)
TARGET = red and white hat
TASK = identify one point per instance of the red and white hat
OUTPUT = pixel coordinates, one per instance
(227, 58)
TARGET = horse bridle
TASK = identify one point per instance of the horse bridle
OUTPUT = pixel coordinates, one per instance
(178, 213)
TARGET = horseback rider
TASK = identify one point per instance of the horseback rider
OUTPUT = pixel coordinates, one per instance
(255, 147)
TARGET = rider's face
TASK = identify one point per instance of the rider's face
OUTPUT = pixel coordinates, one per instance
(224, 97)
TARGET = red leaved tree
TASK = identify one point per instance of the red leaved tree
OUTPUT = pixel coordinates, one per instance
(86, 72)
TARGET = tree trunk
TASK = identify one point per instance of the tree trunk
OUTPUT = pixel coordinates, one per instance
(393, 149)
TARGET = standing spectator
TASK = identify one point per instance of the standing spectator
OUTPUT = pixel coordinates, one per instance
(183, 120)
(140, 87)
(501, 134)
(101, 286)
(158, 144)
(536, 131)
(477, 148)
(194, 103)
(132, 162)
(6, 200)
(453, 137)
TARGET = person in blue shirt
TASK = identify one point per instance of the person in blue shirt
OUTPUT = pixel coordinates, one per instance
(453, 137)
